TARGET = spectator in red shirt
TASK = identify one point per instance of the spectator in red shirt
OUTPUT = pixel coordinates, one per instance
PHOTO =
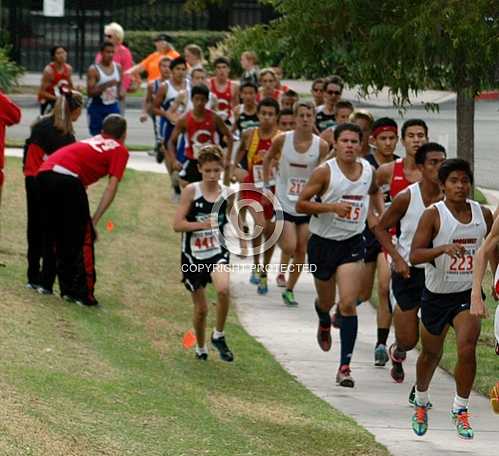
(66, 214)
(48, 134)
(10, 114)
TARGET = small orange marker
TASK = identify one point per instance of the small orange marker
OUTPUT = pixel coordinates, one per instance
(189, 339)
(110, 226)
(494, 398)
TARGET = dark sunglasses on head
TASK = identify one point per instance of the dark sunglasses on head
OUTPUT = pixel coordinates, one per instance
(333, 92)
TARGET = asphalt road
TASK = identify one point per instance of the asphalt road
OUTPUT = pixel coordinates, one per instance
(441, 124)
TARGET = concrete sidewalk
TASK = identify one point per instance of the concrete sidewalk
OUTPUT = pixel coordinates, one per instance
(376, 402)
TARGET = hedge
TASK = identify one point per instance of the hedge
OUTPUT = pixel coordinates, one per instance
(141, 42)
(9, 71)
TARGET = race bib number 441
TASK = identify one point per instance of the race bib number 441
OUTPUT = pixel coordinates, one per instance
(205, 244)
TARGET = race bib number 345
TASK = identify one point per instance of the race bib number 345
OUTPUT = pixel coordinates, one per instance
(352, 220)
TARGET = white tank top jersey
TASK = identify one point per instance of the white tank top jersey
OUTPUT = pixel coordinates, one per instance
(109, 95)
(294, 170)
(341, 189)
(409, 222)
(453, 275)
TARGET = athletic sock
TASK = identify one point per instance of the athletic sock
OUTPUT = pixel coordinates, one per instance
(348, 334)
(382, 336)
(217, 334)
(460, 403)
(421, 397)
(324, 317)
(201, 350)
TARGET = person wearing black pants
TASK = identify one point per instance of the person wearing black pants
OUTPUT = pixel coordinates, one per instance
(48, 134)
(67, 223)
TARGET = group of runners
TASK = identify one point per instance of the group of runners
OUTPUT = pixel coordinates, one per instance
(348, 206)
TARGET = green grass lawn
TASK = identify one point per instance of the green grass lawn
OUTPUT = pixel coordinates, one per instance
(116, 381)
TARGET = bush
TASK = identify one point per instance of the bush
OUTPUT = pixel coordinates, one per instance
(141, 42)
(9, 71)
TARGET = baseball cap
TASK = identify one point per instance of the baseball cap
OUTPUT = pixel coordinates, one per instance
(162, 37)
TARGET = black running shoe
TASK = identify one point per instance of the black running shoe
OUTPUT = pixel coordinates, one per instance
(202, 356)
(221, 346)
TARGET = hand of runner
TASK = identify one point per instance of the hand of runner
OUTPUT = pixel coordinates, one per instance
(401, 267)
(143, 117)
(341, 209)
(177, 166)
(454, 250)
(478, 307)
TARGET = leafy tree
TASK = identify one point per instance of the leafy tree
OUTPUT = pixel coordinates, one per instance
(407, 45)
(9, 71)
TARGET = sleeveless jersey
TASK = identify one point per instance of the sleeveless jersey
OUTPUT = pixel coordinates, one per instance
(453, 275)
(399, 181)
(224, 99)
(257, 149)
(246, 121)
(324, 121)
(276, 95)
(199, 133)
(60, 79)
(409, 222)
(341, 189)
(110, 95)
(206, 245)
(295, 169)
(384, 188)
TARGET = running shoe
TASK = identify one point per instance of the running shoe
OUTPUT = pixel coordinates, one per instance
(289, 298)
(380, 355)
(419, 420)
(461, 420)
(202, 356)
(262, 286)
(397, 357)
(336, 318)
(223, 349)
(32, 286)
(255, 278)
(44, 291)
(344, 377)
(412, 398)
(281, 280)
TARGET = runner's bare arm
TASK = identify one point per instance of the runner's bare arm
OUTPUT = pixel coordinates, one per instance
(328, 136)
(487, 251)
(237, 113)
(235, 95)
(389, 219)
(120, 89)
(224, 131)
(147, 106)
(47, 77)
(70, 77)
(171, 150)
(243, 147)
(158, 99)
(316, 186)
(106, 199)
(323, 151)
(271, 156)
(180, 223)
(384, 174)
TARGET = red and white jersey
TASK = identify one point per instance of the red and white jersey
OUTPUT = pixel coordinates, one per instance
(90, 159)
(224, 98)
(399, 181)
(59, 80)
(199, 133)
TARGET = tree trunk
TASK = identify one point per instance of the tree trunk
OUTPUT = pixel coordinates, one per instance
(465, 123)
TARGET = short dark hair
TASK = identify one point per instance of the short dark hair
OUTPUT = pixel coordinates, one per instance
(291, 93)
(114, 125)
(344, 104)
(384, 122)
(248, 84)
(425, 149)
(200, 89)
(414, 123)
(197, 70)
(347, 127)
(454, 164)
(220, 60)
(106, 44)
(318, 81)
(303, 104)
(177, 61)
(285, 112)
(335, 79)
(269, 103)
(53, 49)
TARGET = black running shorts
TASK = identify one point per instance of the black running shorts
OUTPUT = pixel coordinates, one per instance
(326, 255)
(408, 292)
(190, 172)
(296, 219)
(197, 275)
(373, 247)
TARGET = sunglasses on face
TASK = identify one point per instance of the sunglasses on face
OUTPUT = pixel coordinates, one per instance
(108, 36)
(317, 90)
(333, 92)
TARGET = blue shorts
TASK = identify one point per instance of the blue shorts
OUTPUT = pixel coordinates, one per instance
(97, 113)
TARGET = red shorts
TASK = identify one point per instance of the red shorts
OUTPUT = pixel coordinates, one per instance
(257, 195)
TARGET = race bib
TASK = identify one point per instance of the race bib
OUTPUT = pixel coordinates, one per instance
(352, 221)
(110, 95)
(295, 186)
(460, 269)
(205, 244)
(258, 176)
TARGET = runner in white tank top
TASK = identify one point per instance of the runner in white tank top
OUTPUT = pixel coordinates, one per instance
(298, 153)
(408, 281)
(338, 195)
(447, 237)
